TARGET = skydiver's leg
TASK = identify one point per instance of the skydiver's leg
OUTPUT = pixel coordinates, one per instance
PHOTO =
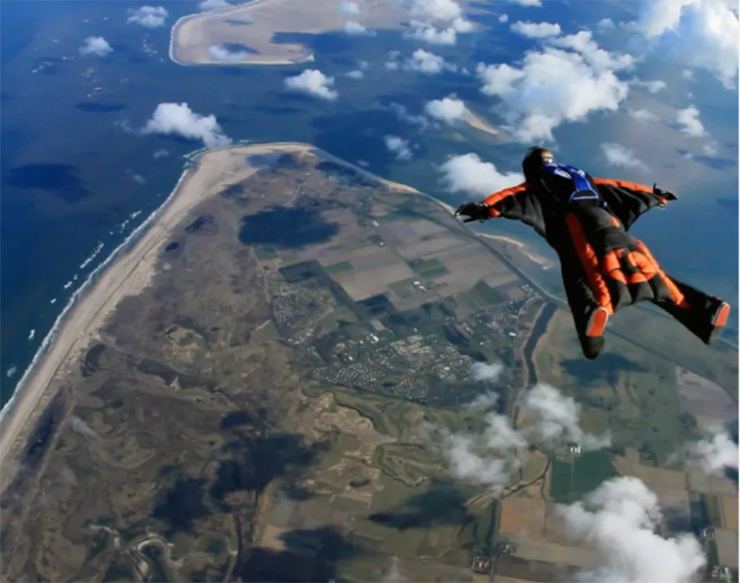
(582, 305)
(703, 315)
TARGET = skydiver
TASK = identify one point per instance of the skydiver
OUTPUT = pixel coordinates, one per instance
(585, 220)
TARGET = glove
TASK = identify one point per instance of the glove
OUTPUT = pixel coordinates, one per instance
(475, 211)
(665, 194)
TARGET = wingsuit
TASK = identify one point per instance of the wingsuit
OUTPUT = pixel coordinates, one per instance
(604, 268)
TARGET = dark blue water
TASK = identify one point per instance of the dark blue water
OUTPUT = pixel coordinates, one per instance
(74, 172)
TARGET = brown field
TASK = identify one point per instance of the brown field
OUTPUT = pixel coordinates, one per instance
(523, 515)
(629, 465)
(517, 569)
(550, 552)
(700, 396)
(271, 538)
(726, 547)
(730, 512)
(698, 481)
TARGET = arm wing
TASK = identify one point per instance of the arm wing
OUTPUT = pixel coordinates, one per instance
(517, 203)
(628, 200)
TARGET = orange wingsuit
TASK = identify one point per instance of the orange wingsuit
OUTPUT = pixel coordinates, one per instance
(604, 268)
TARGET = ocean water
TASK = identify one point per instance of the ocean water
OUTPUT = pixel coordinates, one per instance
(77, 178)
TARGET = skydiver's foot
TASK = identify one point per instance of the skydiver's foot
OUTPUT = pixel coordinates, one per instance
(719, 319)
(592, 347)
(597, 322)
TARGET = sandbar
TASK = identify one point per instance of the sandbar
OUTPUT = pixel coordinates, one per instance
(251, 29)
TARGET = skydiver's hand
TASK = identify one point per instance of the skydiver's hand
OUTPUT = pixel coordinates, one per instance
(665, 194)
(475, 211)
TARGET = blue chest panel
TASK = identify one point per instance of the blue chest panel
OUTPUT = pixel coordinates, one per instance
(582, 187)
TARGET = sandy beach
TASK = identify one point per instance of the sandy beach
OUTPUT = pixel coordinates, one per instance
(523, 248)
(129, 274)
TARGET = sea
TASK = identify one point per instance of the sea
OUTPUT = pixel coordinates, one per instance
(79, 179)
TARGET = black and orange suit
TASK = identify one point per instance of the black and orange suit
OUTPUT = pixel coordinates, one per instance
(586, 221)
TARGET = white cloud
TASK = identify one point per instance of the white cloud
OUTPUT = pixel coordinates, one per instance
(712, 454)
(618, 155)
(399, 147)
(444, 10)
(689, 121)
(349, 8)
(486, 372)
(651, 86)
(356, 29)
(688, 74)
(148, 16)
(209, 5)
(160, 154)
(225, 55)
(179, 119)
(583, 43)
(535, 29)
(704, 33)
(313, 82)
(448, 109)
(527, 2)
(356, 74)
(403, 114)
(554, 86)
(428, 63)
(605, 24)
(504, 18)
(643, 115)
(485, 401)
(78, 425)
(469, 174)
(448, 16)
(488, 459)
(432, 35)
(709, 150)
(96, 45)
(619, 519)
(551, 420)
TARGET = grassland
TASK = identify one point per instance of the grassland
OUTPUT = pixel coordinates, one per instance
(571, 480)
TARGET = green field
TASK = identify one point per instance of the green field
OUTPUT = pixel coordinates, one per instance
(570, 481)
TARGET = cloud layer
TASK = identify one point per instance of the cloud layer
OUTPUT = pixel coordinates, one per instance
(469, 174)
(535, 30)
(96, 45)
(619, 519)
(565, 81)
(179, 119)
(313, 82)
(549, 421)
(148, 16)
(702, 34)
(713, 454)
(448, 109)
(621, 157)
(399, 147)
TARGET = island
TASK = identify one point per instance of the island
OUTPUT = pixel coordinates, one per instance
(244, 394)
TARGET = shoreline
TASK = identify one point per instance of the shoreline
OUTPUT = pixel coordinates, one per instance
(238, 7)
(127, 271)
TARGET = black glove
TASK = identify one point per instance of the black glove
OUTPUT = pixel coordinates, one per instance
(476, 211)
(666, 194)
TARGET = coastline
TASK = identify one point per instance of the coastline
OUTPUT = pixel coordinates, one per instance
(127, 271)
(183, 20)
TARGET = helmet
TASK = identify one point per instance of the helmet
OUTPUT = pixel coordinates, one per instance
(534, 160)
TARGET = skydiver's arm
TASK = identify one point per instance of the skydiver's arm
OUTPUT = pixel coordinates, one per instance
(517, 203)
(629, 200)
